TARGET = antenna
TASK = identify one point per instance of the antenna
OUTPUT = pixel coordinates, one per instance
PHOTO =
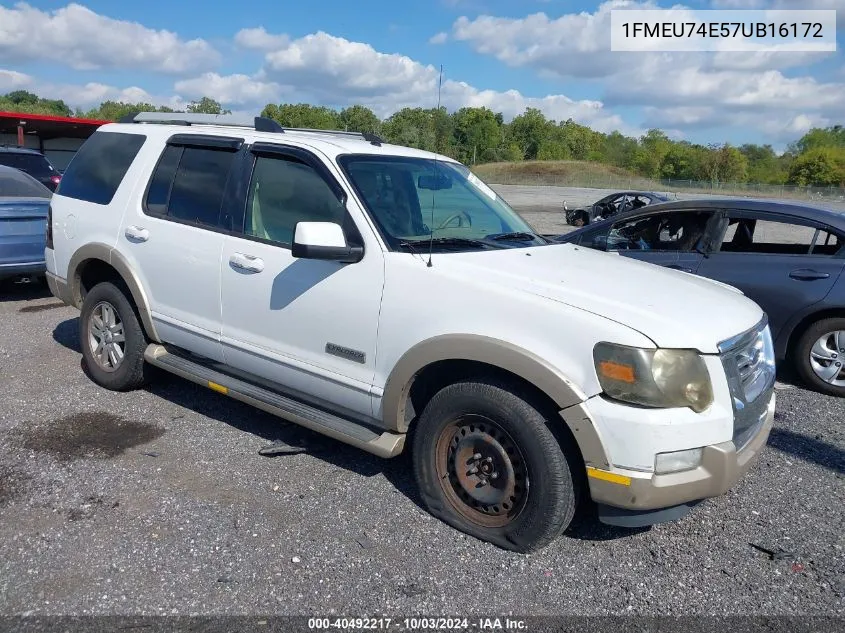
(436, 151)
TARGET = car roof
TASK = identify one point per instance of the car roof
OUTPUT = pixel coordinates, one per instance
(19, 150)
(325, 142)
(774, 207)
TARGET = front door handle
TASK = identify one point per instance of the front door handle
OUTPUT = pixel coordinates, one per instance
(137, 233)
(246, 263)
(679, 267)
(808, 274)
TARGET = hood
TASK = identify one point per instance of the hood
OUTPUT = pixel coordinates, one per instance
(672, 308)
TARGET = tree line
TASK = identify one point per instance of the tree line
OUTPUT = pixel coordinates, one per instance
(479, 135)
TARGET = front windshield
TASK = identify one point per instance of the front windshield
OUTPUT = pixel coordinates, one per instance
(414, 199)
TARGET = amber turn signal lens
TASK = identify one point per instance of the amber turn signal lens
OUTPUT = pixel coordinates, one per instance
(617, 371)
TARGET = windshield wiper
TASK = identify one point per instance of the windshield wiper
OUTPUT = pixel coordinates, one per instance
(516, 236)
(448, 241)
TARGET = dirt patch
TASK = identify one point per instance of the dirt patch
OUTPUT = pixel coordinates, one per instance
(12, 483)
(96, 434)
(42, 307)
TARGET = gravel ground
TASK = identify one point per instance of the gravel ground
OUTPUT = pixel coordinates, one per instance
(157, 502)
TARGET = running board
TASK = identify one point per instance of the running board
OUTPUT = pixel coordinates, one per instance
(384, 444)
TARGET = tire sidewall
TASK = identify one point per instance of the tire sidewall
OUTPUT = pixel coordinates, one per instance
(125, 375)
(526, 426)
(802, 355)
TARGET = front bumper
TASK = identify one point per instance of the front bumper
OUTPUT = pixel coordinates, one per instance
(722, 465)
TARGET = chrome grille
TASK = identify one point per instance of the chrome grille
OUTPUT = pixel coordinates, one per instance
(749, 362)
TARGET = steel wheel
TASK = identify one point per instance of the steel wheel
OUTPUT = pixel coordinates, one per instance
(826, 358)
(106, 337)
(482, 471)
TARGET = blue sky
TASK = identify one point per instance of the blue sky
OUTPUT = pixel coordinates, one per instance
(506, 55)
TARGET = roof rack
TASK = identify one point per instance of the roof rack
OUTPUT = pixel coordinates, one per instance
(259, 123)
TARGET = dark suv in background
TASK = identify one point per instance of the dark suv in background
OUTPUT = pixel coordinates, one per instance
(33, 163)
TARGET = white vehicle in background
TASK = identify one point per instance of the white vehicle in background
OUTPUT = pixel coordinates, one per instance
(386, 297)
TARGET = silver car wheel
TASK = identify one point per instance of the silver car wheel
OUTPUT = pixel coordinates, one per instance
(827, 356)
(106, 338)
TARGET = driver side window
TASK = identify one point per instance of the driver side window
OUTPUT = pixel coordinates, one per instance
(284, 191)
(680, 231)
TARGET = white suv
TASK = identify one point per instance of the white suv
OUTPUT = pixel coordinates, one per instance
(375, 293)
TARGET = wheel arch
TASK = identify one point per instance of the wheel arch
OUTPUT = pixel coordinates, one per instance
(468, 351)
(789, 339)
(442, 360)
(96, 262)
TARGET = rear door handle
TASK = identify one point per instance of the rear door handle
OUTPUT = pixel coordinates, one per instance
(808, 274)
(679, 267)
(247, 263)
(137, 233)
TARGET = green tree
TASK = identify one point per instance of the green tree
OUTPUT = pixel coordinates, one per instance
(114, 110)
(477, 134)
(207, 105)
(358, 118)
(653, 147)
(764, 165)
(528, 130)
(24, 101)
(619, 150)
(820, 137)
(303, 115)
(821, 166)
(413, 127)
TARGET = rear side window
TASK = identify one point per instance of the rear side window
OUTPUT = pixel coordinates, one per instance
(95, 172)
(33, 164)
(749, 235)
(188, 184)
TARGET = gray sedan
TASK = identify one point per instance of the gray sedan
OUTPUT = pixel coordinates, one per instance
(788, 258)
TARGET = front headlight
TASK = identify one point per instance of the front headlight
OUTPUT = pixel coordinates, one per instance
(661, 378)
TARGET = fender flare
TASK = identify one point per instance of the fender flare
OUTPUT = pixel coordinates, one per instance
(472, 347)
(110, 256)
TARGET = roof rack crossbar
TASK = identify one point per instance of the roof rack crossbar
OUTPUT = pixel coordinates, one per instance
(260, 124)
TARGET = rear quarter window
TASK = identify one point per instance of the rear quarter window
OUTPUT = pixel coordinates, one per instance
(95, 172)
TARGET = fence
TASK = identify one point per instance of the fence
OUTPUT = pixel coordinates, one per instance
(610, 181)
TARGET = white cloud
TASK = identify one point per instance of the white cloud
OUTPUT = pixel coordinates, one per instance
(77, 37)
(13, 80)
(86, 95)
(678, 89)
(438, 38)
(259, 39)
(335, 71)
(230, 89)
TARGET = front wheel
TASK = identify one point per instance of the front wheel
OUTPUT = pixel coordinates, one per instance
(487, 463)
(112, 339)
(820, 356)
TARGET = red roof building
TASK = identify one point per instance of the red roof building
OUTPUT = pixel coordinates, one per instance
(57, 137)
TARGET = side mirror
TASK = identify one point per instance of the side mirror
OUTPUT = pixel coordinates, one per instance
(323, 240)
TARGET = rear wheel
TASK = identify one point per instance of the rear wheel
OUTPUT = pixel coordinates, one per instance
(580, 219)
(112, 339)
(820, 356)
(487, 463)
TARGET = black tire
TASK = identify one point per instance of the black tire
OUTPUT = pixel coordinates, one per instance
(540, 510)
(132, 371)
(801, 356)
